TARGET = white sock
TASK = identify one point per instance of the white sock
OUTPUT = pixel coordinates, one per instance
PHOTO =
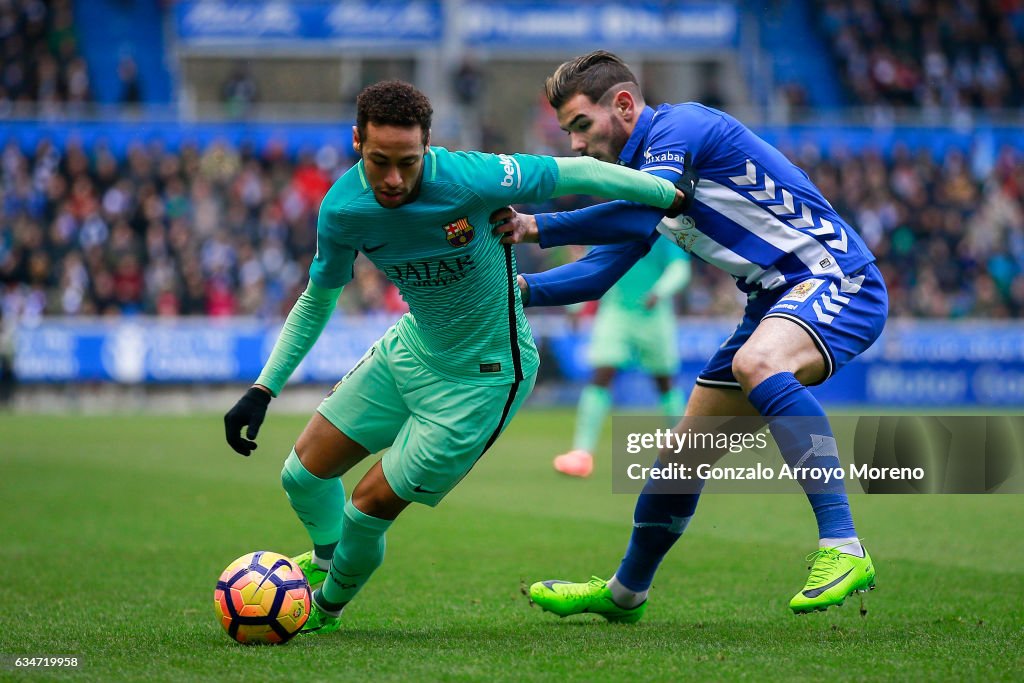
(317, 598)
(321, 562)
(850, 546)
(624, 597)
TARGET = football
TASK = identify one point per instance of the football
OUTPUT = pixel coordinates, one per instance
(262, 597)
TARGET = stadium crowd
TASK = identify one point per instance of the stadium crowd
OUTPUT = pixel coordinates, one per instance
(224, 231)
(39, 58)
(936, 56)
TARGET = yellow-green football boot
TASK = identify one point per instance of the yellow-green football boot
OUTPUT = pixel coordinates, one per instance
(320, 621)
(314, 575)
(593, 597)
(835, 576)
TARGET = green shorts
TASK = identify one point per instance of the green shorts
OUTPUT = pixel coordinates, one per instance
(621, 338)
(435, 429)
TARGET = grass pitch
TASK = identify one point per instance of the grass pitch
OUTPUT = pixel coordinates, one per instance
(115, 530)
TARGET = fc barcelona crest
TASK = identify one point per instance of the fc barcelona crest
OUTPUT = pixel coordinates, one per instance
(460, 233)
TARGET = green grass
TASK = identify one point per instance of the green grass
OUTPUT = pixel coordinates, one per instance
(115, 530)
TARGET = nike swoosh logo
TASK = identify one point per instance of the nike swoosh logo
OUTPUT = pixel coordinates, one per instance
(815, 592)
(370, 250)
(420, 489)
(274, 568)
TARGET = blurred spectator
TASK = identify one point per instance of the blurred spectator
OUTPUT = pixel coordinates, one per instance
(39, 61)
(7, 377)
(794, 96)
(709, 90)
(128, 77)
(467, 83)
(239, 91)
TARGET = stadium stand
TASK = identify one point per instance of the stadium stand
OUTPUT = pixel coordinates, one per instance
(218, 228)
(225, 231)
(40, 60)
(151, 233)
(952, 54)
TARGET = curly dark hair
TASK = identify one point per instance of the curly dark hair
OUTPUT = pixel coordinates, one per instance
(592, 74)
(393, 103)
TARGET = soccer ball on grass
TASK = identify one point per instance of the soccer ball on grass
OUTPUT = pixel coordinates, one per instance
(262, 597)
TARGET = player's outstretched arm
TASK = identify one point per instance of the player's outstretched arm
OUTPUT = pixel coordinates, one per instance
(587, 279)
(584, 175)
(302, 328)
(527, 179)
(609, 223)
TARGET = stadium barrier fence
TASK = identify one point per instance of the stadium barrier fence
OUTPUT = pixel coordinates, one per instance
(916, 364)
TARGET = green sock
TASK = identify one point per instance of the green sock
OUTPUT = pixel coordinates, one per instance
(595, 402)
(318, 503)
(322, 553)
(673, 403)
(359, 553)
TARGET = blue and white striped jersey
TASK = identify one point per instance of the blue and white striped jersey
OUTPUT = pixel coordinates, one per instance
(756, 215)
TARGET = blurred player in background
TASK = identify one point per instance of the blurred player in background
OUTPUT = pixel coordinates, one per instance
(815, 300)
(442, 383)
(635, 324)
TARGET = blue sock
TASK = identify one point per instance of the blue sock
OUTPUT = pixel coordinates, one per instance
(805, 439)
(658, 522)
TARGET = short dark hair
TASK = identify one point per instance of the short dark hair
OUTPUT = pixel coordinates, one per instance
(393, 103)
(591, 74)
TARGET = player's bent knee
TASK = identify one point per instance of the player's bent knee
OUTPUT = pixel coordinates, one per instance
(377, 504)
(375, 497)
(751, 366)
(325, 451)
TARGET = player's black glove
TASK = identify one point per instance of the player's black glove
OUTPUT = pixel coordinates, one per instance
(248, 412)
(687, 184)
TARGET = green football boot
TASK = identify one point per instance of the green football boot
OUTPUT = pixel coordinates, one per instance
(594, 597)
(320, 621)
(314, 575)
(834, 577)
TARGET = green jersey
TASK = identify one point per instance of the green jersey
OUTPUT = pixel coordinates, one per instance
(465, 319)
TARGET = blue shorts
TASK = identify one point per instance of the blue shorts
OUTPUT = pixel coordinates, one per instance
(844, 316)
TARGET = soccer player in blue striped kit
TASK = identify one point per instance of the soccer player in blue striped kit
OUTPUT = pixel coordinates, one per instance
(815, 300)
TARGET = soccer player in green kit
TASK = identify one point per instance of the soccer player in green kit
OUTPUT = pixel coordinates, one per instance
(441, 384)
(636, 322)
